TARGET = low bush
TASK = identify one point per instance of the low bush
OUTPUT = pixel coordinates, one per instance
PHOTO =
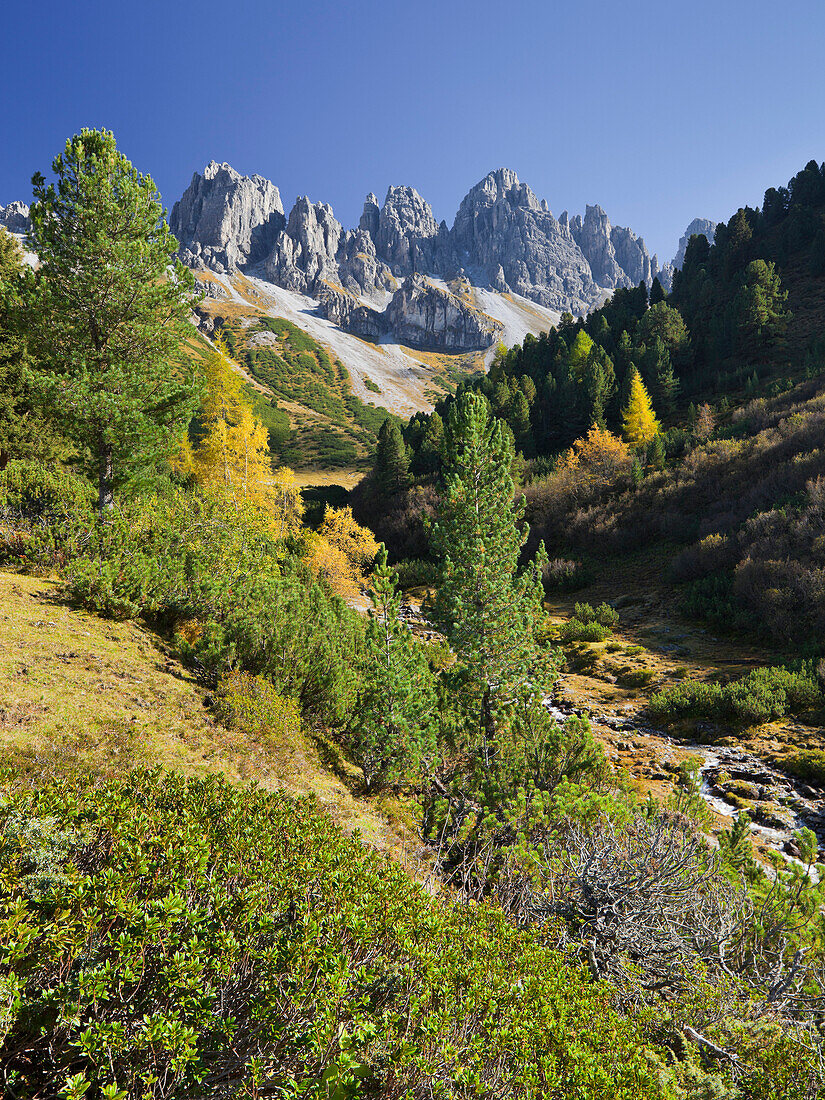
(762, 696)
(252, 704)
(172, 938)
(603, 614)
(413, 572)
(635, 677)
(574, 630)
(806, 764)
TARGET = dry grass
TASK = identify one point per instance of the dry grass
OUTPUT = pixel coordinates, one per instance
(80, 695)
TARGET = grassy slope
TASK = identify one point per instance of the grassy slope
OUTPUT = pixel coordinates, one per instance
(83, 695)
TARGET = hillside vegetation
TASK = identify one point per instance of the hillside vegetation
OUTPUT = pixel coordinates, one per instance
(192, 929)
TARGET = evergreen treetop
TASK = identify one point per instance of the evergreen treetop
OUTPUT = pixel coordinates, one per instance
(111, 309)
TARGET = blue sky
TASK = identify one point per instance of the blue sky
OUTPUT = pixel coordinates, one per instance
(660, 112)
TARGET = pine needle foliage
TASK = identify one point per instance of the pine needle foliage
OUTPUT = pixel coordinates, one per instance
(110, 310)
(393, 729)
(489, 610)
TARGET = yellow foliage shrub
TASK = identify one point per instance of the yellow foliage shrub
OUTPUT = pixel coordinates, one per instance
(252, 704)
(329, 562)
(340, 528)
(599, 456)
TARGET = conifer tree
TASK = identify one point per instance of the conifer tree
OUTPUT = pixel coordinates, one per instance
(24, 433)
(233, 454)
(657, 293)
(487, 608)
(639, 419)
(392, 730)
(109, 314)
(392, 463)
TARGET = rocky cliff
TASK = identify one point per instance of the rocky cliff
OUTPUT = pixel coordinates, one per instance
(15, 217)
(225, 221)
(420, 314)
(506, 237)
(503, 239)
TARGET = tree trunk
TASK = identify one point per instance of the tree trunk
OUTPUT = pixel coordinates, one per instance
(488, 725)
(105, 494)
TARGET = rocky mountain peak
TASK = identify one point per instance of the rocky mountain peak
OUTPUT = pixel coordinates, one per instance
(369, 218)
(407, 232)
(225, 220)
(502, 185)
(15, 217)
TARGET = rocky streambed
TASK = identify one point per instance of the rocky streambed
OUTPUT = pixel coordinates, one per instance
(733, 780)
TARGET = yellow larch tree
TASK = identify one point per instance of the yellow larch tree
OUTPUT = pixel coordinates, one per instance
(343, 551)
(232, 457)
(640, 423)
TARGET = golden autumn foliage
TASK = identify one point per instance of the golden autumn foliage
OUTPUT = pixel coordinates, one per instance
(232, 457)
(640, 423)
(600, 455)
(342, 552)
(340, 529)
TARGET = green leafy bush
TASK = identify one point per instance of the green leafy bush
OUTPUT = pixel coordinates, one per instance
(232, 594)
(806, 764)
(574, 630)
(205, 940)
(45, 512)
(764, 695)
(416, 571)
(603, 614)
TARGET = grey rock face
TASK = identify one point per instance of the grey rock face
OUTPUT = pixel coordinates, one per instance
(305, 251)
(617, 257)
(348, 313)
(503, 237)
(633, 257)
(224, 220)
(698, 225)
(407, 235)
(15, 217)
(501, 223)
(369, 219)
(425, 315)
(593, 235)
(359, 269)
(420, 314)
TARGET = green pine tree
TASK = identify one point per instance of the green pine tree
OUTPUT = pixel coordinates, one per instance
(488, 609)
(109, 316)
(392, 462)
(392, 730)
(657, 293)
(24, 433)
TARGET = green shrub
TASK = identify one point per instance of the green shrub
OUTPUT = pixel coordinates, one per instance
(45, 514)
(574, 630)
(806, 764)
(189, 557)
(764, 695)
(202, 940)
(251, 703)
(636, 677)
(413, 572)
(603, 614)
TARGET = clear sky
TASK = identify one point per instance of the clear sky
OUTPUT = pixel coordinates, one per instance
(661, 112)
